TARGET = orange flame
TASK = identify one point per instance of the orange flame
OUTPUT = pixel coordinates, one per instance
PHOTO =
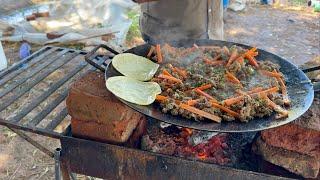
(202, 155)
(189, 131)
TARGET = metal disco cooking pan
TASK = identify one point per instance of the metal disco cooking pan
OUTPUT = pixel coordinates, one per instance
(300, 90)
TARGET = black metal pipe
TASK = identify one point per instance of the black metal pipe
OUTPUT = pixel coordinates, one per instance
(57, 171)
(27, 59)
(34, 71)
(19, 70)
(316, 87)
(310, 69)
(57, 120)
(46, 94)
(34, 143)
(30, 84)
(36, 130)
(48, 108)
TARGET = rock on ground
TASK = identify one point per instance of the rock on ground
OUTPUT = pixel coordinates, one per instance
(304, 165)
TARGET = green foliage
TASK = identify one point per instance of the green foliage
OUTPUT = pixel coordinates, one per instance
(298, 2)
(134, 30)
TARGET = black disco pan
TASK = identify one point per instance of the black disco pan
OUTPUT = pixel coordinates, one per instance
(300, 91)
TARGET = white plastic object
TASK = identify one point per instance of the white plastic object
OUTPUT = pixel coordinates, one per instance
(3, 59)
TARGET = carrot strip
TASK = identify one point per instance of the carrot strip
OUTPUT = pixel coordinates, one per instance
(161, 98)
(240, 60)
(253, 54)
(227, 110)
(233, 56)
(255, 90)
(271, 74)
(241, 92)
(181, 72)
(230, 101)
(252, 51)
(150, 52)
(213, 63)
(169, 48)
(216, 57)
(204, 87)
(170, 78)
(188, 51)
(283, 113)
(216, 63)
(267, 91)
(233, 78)
(165, 72)
(206, 60)
(159, 55)
(252, 60)
(205, 95)
(286, 99)
(192, 102)
(250, 54)
(200, 112)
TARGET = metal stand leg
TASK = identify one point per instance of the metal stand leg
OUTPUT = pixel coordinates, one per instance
(57, 164)
(61, 168)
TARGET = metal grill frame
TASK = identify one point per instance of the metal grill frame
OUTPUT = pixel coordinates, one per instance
(39, 72)
(43, 62)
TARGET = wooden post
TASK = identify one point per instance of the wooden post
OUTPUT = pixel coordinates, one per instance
(215, 20)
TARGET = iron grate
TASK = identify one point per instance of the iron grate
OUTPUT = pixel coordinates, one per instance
(23, 78)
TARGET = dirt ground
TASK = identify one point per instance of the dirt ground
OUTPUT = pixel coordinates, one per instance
(293, 35)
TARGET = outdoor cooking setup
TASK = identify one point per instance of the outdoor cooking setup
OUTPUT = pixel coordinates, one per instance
(111, 138)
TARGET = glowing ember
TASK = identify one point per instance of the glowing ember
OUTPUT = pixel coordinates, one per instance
(202, 156)
(176, 142)
(189, 131)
